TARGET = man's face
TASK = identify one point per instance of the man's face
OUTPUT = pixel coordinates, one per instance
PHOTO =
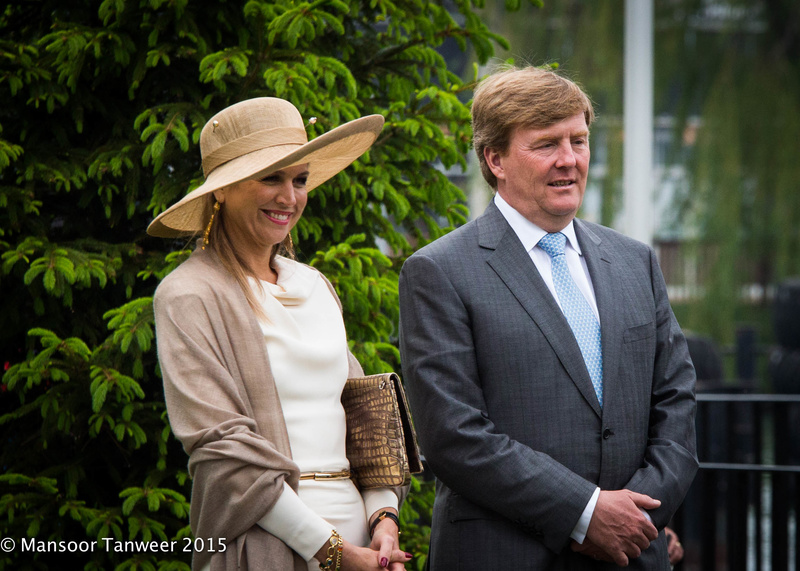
(543, 173)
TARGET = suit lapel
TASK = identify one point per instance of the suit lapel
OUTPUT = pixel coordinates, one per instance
(514, 267)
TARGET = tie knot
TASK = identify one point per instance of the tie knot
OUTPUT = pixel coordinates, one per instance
(553, 244)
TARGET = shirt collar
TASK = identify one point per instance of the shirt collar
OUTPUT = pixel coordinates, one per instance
(528, 232)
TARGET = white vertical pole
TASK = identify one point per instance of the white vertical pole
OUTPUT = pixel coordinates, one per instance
(637, 219)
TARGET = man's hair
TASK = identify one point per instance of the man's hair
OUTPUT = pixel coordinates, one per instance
(529, 97)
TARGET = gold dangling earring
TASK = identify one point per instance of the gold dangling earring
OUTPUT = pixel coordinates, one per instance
(217, 206)
(291, 243)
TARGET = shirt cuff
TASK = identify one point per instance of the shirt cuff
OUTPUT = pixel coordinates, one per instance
(297, 525)
(580, 529)
(377, 499)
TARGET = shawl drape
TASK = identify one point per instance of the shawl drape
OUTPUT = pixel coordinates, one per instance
(224, 408)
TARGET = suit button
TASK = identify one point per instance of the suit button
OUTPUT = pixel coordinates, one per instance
(607, 433)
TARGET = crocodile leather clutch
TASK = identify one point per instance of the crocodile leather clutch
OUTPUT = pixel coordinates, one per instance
(381, 444)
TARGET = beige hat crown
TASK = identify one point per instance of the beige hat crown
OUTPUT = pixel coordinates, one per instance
(250, 139)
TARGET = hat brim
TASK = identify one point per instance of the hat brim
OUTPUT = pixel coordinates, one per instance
(327, 155)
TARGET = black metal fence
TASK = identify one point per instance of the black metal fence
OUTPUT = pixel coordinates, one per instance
(743, 510)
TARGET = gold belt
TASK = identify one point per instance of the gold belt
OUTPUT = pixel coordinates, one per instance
(342, 475)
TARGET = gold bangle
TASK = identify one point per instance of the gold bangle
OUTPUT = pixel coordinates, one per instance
(333, 559)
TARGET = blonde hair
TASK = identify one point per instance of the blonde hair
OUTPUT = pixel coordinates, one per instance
(220, 243)
(528, 97)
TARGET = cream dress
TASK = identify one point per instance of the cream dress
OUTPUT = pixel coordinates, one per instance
(307, 348)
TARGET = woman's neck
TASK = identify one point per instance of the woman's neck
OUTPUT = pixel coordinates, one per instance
(258, 258)
(264, 268)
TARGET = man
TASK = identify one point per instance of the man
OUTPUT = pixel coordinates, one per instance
(551, 387)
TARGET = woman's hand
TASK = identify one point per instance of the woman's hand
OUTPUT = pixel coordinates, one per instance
(370, 559)
(385, 540)
(356, 558)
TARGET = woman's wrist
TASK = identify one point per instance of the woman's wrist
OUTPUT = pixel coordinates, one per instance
(378, 512)
(383, 515)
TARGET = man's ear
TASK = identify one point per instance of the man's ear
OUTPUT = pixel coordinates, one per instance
(494, 161)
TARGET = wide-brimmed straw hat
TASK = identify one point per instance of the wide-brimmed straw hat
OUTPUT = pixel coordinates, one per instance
(252, 138)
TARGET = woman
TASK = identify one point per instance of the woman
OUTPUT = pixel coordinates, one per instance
(254, 356)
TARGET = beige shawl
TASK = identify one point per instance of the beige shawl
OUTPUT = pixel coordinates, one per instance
(224, 407)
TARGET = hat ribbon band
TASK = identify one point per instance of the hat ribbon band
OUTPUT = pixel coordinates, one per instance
(256, 141)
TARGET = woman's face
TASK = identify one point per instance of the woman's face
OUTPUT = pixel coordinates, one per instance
(260, 213)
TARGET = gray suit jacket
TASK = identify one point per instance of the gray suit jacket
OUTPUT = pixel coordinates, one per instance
(504, 408)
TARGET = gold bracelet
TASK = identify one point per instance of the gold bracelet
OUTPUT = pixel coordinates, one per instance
(339, 549)
(333, 560)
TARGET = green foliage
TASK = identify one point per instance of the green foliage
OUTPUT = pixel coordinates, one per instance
(744, 201)
(415, 521)
(368, 291)
(103, 103)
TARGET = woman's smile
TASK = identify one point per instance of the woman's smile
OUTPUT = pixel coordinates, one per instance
(278, 217)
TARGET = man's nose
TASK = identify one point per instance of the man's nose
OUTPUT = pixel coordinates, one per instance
(566, 155)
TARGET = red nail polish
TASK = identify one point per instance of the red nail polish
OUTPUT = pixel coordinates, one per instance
(409, 555)
(384, 562)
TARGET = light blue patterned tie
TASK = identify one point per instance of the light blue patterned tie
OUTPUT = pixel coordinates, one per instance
(577, 310)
